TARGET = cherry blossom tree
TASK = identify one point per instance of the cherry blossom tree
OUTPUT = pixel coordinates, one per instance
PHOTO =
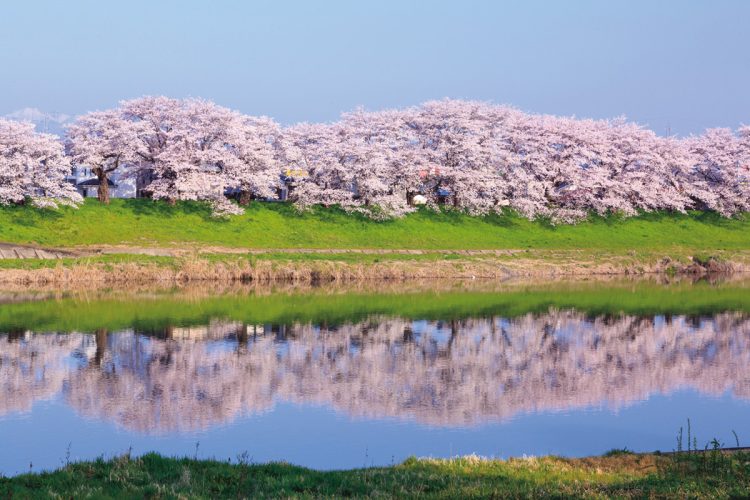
(380, 150)
(318, 151)
(191, 149)
(255, 170)
(188, 145)
(104, 141)
(464, 154)
(570, 167)
(721, 170)
(33, 167)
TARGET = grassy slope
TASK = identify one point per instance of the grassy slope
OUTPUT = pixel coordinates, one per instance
(709, 475)
(172, 309)
(265, 225)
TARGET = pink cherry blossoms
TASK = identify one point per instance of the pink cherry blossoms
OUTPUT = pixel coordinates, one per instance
(33, 167)
(476, 157)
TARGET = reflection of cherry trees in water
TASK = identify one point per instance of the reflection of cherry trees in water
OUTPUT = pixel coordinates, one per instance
(157, 385)
(34, 367)
(441, 373)
(478, 370)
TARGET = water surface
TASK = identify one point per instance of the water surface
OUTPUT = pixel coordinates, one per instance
(338, 377)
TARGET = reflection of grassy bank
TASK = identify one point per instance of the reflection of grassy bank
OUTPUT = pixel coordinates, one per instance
(157, 311)
(619, 475)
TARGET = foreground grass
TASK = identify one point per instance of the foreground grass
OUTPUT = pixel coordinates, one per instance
(277, 225)
(704, 475)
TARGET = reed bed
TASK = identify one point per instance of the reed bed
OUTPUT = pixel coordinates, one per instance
(199, 268)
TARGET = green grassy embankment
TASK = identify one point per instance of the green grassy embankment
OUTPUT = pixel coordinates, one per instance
(619, 474)
(275, 225)
(142, 240)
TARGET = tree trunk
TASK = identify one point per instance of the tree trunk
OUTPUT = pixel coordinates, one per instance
(245, 198)
(103, 191)
(101, 346)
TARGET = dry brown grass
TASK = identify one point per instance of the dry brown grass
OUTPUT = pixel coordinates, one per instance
(201, 268)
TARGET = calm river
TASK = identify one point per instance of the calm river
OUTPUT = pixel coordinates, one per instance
(342, 377)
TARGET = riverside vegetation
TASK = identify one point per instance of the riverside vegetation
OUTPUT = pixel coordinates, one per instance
(706, 474)
(143, 240)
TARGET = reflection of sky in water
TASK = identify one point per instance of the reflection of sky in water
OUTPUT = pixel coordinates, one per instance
(318, 437)
(376, 391)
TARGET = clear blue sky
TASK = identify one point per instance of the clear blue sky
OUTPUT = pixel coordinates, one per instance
(682, 63)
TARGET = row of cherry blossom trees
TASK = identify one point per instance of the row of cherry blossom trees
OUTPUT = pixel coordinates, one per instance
(474, 156)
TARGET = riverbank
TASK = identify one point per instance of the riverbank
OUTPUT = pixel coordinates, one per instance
(713, 474)
(147, 223)
(139, 241)
(182, 266)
